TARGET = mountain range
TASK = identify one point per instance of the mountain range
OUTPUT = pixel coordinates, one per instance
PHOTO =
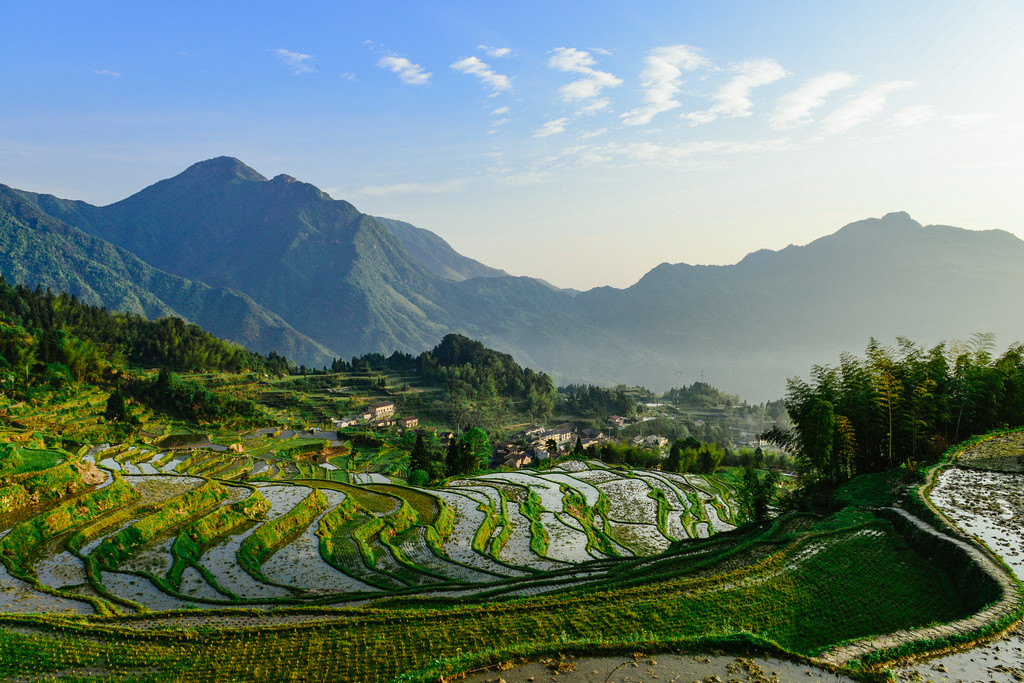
(277, 264)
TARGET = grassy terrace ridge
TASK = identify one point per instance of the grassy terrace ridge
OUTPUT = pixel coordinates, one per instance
(860, 568)
(331, 577)
(801, 584)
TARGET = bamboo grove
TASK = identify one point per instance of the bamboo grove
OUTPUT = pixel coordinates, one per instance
(899, 406)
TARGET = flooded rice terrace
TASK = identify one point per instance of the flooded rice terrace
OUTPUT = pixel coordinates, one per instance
(987, 503)
(663, 667)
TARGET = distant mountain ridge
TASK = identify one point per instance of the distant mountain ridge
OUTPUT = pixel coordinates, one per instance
(36, 248)
(322, 279)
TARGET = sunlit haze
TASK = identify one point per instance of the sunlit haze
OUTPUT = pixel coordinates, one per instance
(582, 143)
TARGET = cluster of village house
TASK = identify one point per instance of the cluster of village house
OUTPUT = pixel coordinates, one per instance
(538, 442)
(510, 453)
(378, 415)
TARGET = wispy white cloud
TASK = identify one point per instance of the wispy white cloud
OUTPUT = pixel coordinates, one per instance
(108, 72)
(348, 76)
(441, 187)
(497, 124)
(500, 110)
(587, 135)
(298, 61)
(911, 117)
(552, 127)
(647, 153)
(496, 52)
(594, 106)
(796, 108)
(571, 60)
(662, 79)
(864, 107)
(488, 76)
(733, 99)
(408, 72)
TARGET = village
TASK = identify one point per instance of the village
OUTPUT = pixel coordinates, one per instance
(535, 445)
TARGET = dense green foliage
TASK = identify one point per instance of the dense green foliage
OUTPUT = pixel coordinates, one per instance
(57, 328)
(188, 399)
(901, 405)
(598, 402)
(481, 386)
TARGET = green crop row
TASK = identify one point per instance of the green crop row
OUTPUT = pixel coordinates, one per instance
(25, 537)
(194, 539)
(13, 497)
(363, 535)
(492, 519)
(114, 550)
(663, 509)
(532, 508)
(262, 543)
(598, 537)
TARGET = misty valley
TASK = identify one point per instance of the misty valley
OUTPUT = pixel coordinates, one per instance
(700, 476)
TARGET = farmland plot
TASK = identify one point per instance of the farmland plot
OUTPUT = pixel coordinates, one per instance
(299, 564)
(630, 501)
(550, 492)
(590, 492)
(468, 519)
(18, 597)
(567, 544)
(988, 505)
(517, 549)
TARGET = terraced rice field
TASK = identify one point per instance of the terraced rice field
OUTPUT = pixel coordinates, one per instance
(332, 542)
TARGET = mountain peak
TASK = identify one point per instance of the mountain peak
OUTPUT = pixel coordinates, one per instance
(222, 169)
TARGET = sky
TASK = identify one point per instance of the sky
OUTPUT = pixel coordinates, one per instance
(579, 142)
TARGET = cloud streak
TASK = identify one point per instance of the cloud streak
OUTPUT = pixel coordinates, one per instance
(862, 108)
(552, 128)
(797, 107)
(298, 61)
(408, 72)
(475, 67)
(662, 78)
(496, 52)
(732, 100)
(441, 187)
(571, 60)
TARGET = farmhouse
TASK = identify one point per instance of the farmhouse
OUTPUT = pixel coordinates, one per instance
(560, 434)
(408, 422)
(382, 409)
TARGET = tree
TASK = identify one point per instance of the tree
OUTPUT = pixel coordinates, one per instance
(757, 493)
(672, 461)
(419, 458)
(115, 410)
(453, 458)
(475, 450)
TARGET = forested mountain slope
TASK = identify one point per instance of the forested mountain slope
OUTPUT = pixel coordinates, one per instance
(358, 284)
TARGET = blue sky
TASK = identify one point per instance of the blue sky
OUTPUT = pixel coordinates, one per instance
(581, 142)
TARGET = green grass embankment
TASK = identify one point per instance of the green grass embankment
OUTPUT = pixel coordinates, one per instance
(268, 537)
(168, 514)
(17, 546)
(195, 538)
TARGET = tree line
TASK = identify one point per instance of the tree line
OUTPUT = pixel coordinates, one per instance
(80, 340)
(901, 405)
(481, 386)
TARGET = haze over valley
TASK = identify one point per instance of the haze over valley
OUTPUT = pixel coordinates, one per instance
(412, 342)
(278, 265)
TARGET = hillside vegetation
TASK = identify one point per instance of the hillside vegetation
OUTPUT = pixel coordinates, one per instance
(243, 255)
